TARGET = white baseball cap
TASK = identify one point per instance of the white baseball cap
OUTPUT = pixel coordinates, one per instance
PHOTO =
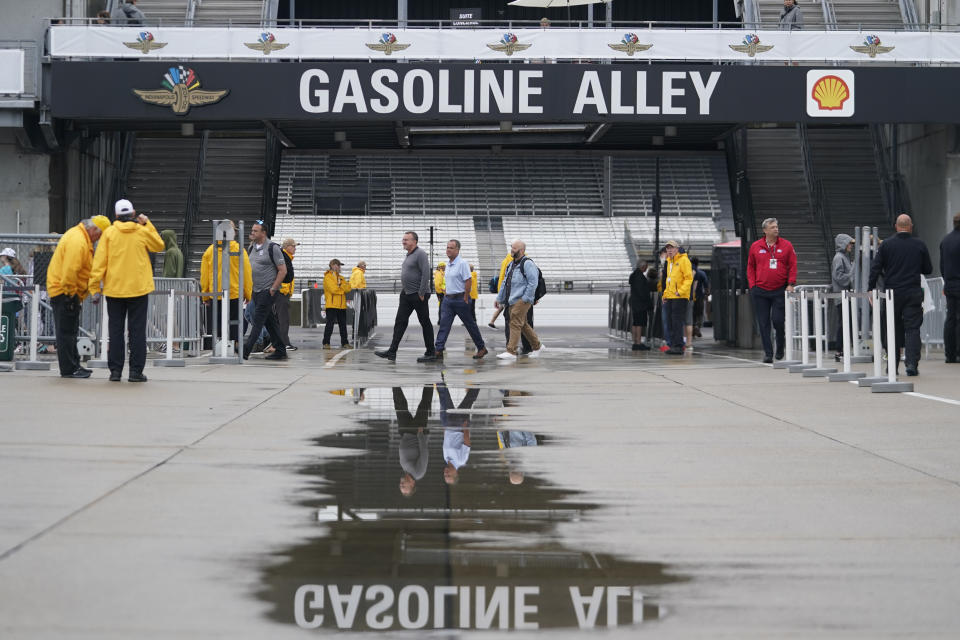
(123, 207)
(10, 253)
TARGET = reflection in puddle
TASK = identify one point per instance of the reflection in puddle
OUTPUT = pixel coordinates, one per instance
(432, 523)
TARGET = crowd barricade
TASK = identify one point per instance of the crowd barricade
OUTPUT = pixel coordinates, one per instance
(188, 314)
(934, 316)
(620, 316)
(311, 308)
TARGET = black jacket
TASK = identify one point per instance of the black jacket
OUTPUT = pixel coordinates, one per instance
(640, 290)
(901, 259)
(950, 262)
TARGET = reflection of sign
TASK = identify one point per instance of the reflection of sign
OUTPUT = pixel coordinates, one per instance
(830, 93)
(4, 333)
(181, 90)
(466, 17)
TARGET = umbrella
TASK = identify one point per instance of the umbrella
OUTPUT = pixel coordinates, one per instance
(553, 4)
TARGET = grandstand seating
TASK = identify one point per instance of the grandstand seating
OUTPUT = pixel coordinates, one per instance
(234, 12)
(172, 12)
(696, 235)
(812, 14)
(159, 180)
(846, 14)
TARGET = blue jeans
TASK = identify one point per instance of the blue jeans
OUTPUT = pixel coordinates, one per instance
(454, 306)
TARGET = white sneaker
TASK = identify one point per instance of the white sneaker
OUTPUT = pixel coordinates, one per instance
(538, 352)
(506, 355)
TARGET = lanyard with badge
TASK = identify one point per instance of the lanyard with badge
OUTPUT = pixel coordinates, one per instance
(773, 261)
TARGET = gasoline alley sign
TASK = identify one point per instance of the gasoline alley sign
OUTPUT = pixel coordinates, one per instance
(494, 92)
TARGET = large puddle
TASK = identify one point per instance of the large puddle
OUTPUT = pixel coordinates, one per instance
(429, 521)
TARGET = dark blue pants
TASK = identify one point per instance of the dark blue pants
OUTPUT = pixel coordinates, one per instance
(676, 313)
(131, 312)
(769, 307)
(263, 317)
(951, 328)
(451, 307)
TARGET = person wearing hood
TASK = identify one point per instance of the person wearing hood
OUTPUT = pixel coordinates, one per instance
(841, 278)
(335, 290)
(172, 255)
(950, 270)
(358, 277)
(121, 266)
(68, 280)
(791, 18)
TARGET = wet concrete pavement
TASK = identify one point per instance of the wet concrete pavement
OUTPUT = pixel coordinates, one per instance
(727, 498)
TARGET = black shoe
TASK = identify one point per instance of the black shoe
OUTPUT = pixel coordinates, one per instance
(137, 377)
(767, 360)
(114, 376)
(85, 369)
(643, 347)
(674, 352)
(389, 355)
(912, 371)
(635, 347)
(79, 373)
(779, 354)
(428, 357)
(838, 357)
(951, 361)
(277, 355)
(479, 354)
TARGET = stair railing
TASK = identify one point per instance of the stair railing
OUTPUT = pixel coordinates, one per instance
(195, 191)
(818, 205)
(744, 217)
(829, 16)
(908, 11)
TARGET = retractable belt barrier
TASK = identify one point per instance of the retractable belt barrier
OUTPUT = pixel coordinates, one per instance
(798, 303)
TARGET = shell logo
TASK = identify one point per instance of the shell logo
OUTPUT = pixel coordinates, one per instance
(831, 92)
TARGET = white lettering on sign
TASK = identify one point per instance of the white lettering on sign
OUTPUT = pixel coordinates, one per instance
(673, 84)
(390, 100)
(350, 92)
(490, 87)
(590, 93)
(314, 100)
(527, 91)
(409, 83)
(315, 594)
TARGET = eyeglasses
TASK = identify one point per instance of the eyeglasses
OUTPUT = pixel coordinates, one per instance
(259, 222)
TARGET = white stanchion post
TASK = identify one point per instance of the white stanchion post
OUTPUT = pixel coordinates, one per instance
(848, 318)
(893, 356)
(223, 233)
(789, 327)
(804, 337)
(101, 363)
(33, 364)
(877, 347)
(819, 335)
(225, 324)
(169, 361)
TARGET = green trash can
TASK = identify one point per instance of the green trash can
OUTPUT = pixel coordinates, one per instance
(8, 327)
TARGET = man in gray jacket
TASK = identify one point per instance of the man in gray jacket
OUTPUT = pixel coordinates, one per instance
(414, 294)
(841, 277)
(127, 13)
(790, 18)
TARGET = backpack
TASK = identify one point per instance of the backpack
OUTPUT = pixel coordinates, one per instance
(493, 284)
(286, 260)
(541, 283)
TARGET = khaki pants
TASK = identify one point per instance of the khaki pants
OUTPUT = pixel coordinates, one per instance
(519, 325)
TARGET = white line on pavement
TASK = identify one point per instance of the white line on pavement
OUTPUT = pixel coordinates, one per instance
(332, 361)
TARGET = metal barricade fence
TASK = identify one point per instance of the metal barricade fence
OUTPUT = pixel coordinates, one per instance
(931, 332)
(189, 314)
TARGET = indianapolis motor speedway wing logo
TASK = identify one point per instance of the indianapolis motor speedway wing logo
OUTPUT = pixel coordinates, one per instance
(388, 44)
(751, 45)
(181, 90)
(508, 44)
(145, 43)
(630, 44)
(266, 44)
(872, 46)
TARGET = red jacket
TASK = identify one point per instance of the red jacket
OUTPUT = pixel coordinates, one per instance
(759, 271)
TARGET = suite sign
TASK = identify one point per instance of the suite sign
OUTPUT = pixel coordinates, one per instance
(436, 92)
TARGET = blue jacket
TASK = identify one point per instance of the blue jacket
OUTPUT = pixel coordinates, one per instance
(523, 283)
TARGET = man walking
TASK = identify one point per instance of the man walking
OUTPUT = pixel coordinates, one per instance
(900, 260)
(504, 265)
(122, 265)
(517, 295)
(950, 270)
(414, 296)
(268, 269)
(68, 279)
(456, 303)
(676, 295)
(771, 270)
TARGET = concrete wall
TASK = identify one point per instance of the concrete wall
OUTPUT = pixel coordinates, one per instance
(931, 166)
(24, 185)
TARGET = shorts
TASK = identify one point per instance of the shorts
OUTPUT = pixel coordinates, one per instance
(639, 316)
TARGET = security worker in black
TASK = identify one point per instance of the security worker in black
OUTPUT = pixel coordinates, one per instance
(900, 260)
(950, 270)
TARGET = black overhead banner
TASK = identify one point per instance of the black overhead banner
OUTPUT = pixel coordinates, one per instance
(492, 92)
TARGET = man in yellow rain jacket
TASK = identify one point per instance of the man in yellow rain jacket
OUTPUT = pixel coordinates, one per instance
(122, 265)
(440, 284)
(335, 289)
(207, 281)
(281, 304)
(358, 277)
(676, 294)
(474, 291)
(68, 279)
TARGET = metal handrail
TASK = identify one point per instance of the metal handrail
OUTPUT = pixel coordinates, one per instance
(815, 192)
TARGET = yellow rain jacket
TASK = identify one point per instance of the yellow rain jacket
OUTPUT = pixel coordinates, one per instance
(503, 270)
(206, 272)
(69, 270)
(474, 289)
(679, 278)
(358, 279)
(286, 288)
(121, 261)
(335, 289)
(439, 281)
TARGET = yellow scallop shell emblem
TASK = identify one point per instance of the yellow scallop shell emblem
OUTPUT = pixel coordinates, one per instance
(831, 92)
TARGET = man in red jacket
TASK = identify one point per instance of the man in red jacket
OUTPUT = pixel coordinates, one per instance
(771, 269)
